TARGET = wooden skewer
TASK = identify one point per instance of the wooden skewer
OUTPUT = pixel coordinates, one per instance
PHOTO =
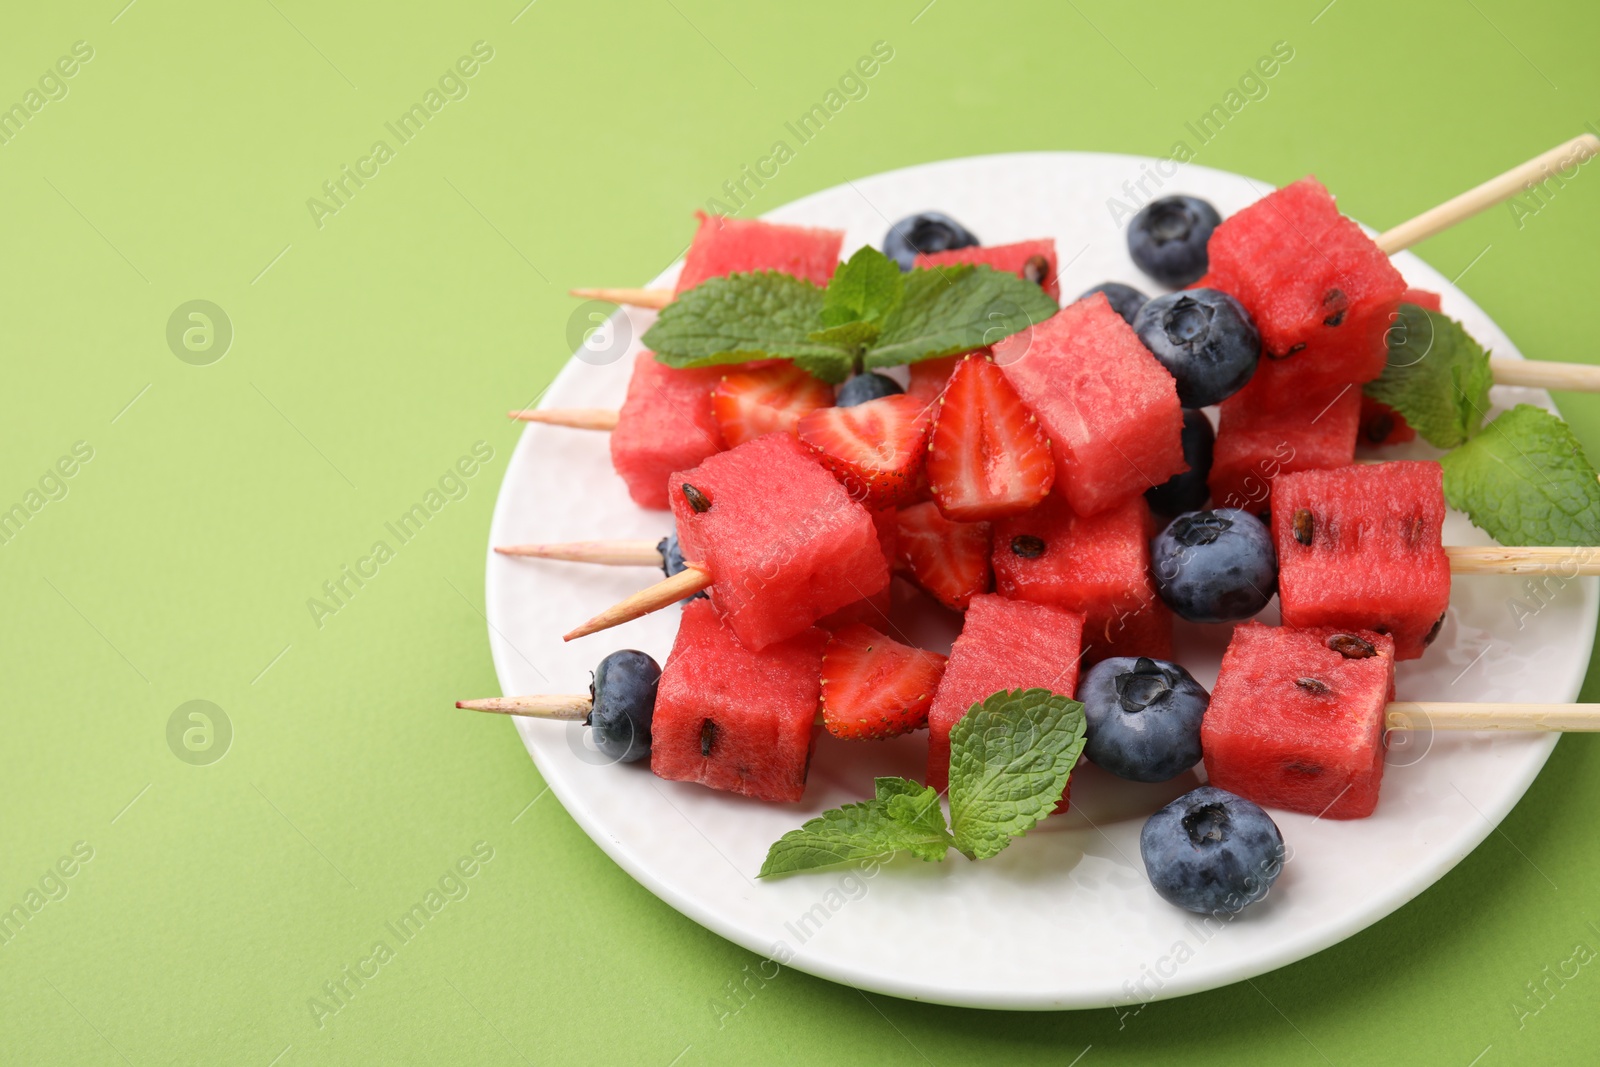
(1400, 715)
(1500, 559)
(1537, 374)
(639, 298)
(609, 553)
(1474, 559)
(577, 418)
(1494, 191)
(685, 583)
(573, 707)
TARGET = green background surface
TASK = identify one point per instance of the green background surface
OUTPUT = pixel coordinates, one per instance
(371, 352)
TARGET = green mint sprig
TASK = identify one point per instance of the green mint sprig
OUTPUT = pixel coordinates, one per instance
(1526, 480)
(1523, 478)
(870, 315)
(1437, 377)
(1010, 757)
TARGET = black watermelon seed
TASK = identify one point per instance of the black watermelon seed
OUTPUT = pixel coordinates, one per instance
(1036, 269)
(1312, 685)
(1027, 546)
(1433, 632)
(1304, 526)
(697, 500)
(708, 737)
(1351, 647)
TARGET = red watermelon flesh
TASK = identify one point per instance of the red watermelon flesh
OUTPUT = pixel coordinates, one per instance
(1109, 408)
(724, 246)
(1361, 546)
(872, 610)
(1012, 258)
(1259, 439)
(1382, 424)
(1296, 724)
(733, 719)
(784, 543)
(665, 425)
(1321, 293)
(1422, 298)
(930, 376)
(1004, 644)
(1098, 566)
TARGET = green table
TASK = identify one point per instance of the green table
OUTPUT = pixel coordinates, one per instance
(371, 312)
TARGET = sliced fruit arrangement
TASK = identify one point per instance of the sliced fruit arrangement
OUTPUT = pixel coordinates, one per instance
(1048, 477)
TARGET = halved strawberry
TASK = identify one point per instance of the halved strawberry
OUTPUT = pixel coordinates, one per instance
(948, 559)
(873, 686)
(769, 399)
(987, 456)
(876, 449)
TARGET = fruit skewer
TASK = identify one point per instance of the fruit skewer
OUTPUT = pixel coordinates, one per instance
(1398, 714)
(1464, 559)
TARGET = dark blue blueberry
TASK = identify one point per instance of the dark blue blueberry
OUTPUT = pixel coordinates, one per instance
(1215, 566)
(1205, 338)
(1187, 491)
(1125, 299)
(1211, 852)
(1143, 717)
(1167, 239)
(672, 561)
(926, 232)
(624, 693)
(864, 387)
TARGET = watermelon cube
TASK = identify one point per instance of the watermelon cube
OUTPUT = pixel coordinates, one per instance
(781, 538)
(734, 719)
(872, 610)
(1259, 439)
(1098, 566)
(1004, 644)
(1024, 258)
(665, 425)
(724, 246)
(1296, 718)
(1321, 292)
(1109, 408)
(1362, 546)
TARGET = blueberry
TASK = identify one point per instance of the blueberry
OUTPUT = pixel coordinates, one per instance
(1143, 717)
(1215, 566)
(1205, 338)
(1125, 299)
(624, 693)
(1211, 852)
(927, 232)
(1187, 491)
(864, 387)
(672, 561)
(1167, 239)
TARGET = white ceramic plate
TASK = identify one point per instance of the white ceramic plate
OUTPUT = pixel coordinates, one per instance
(1065, 917)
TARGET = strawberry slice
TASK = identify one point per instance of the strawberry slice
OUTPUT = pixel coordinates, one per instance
(766, 400)
(987, 456)
(874, 687)
(876, 449)
(948, 559)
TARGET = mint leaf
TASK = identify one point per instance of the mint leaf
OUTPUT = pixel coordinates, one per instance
(849, 335)
(1526, 481)
(903, 817)
(1437, 377)
(915, 809)
(1010, 757)
(864, 289)
(955, 309)
(761, 315)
